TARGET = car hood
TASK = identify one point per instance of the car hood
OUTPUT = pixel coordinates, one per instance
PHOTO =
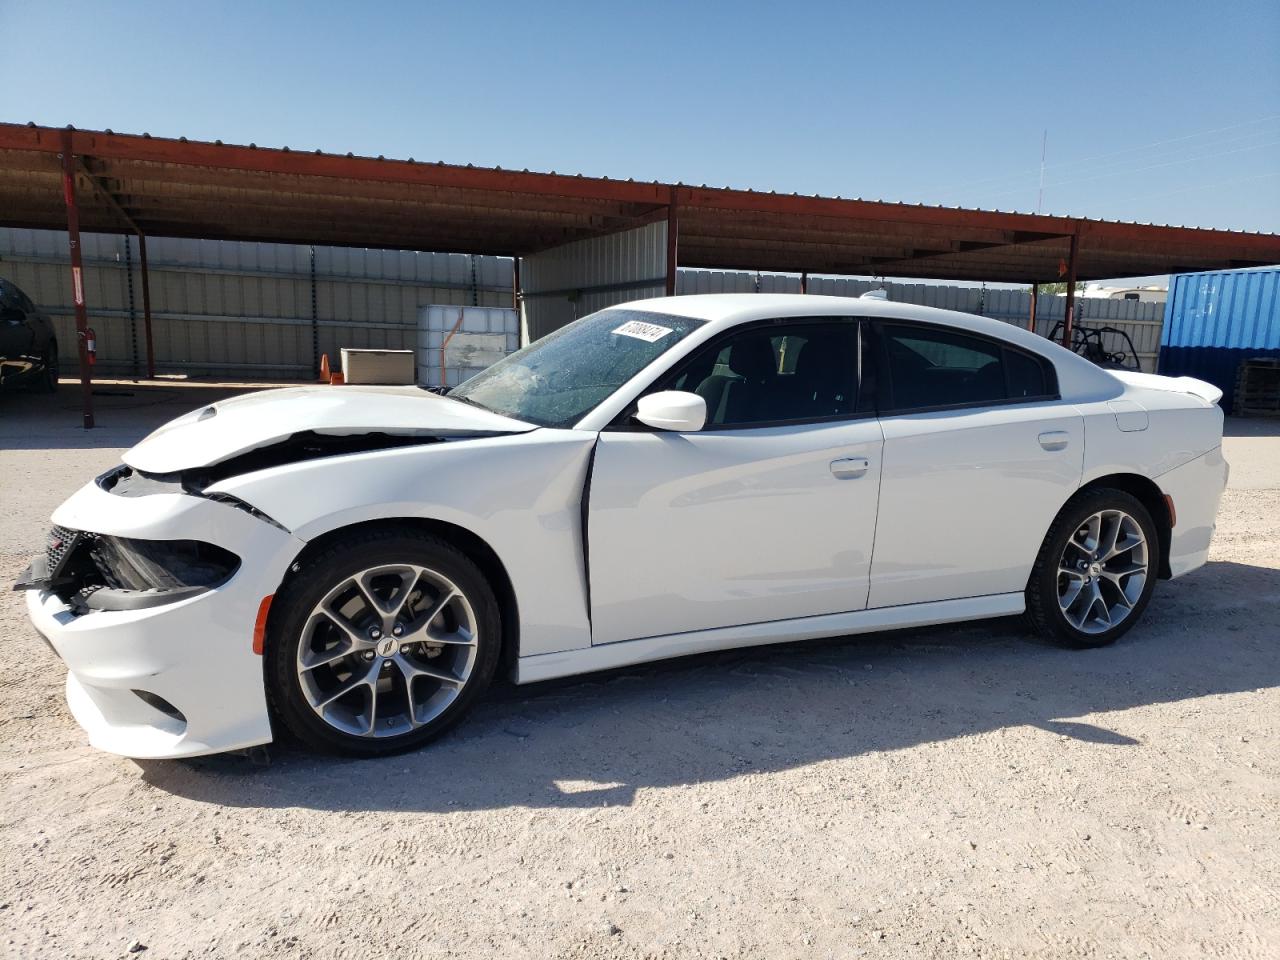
(229, 428)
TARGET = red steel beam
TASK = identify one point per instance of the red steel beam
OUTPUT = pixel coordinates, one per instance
(1071, 291)
(77, 278)
(1035, 297)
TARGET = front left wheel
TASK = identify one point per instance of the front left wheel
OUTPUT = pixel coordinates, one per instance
(381, 643)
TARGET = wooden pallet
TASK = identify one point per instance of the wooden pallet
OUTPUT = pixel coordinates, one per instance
(1258, 388)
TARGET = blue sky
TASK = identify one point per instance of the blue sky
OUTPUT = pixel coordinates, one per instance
(1166, 112)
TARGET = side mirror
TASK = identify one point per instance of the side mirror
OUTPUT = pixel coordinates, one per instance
(673, 410)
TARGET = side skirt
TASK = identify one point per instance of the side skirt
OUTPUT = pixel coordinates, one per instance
(548, 666)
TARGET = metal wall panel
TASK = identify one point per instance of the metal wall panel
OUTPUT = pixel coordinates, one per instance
(258, 310)
(1237, 309)
(1141, 321)
(38, 262)
(736, 281)
(571, 281)
(243, 309)
(1216, 321)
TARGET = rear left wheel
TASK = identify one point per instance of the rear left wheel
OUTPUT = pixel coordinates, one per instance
(381, 644)
(1095, 571)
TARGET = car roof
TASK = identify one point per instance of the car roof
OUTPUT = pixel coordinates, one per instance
(1077, 377)
(730, 309)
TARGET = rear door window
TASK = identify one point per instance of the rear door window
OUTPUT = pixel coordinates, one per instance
(927, 367)
(1025, 376)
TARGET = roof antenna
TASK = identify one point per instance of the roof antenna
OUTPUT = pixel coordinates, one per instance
(1044, 145)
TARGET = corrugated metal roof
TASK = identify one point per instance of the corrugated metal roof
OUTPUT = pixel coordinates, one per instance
(184, 188)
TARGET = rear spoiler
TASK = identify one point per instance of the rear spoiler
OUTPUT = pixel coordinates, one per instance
(1151, 381)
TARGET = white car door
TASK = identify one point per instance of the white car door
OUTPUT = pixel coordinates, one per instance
(766, 514)
(979, 456)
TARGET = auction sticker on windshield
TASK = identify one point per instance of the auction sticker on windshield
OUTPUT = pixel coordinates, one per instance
(649, 332)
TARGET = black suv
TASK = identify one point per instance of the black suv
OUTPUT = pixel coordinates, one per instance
(28, 346)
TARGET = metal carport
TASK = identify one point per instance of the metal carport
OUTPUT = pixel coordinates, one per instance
(119, 183)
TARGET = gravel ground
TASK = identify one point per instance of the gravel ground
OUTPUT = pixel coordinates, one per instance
(946, 792)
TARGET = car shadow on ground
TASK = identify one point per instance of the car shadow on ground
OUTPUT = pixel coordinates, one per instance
(595, 741)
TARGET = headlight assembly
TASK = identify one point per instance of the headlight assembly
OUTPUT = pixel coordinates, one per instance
(97, 572)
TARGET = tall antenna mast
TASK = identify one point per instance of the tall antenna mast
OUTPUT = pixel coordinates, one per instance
(1044, 144)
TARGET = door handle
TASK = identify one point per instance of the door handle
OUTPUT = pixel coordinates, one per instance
(1055, 440)
(850, 468)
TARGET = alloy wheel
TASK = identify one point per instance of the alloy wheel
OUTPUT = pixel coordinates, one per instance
(387, 650)
(1102, 571)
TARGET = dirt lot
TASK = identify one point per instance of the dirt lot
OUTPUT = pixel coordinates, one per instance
(950, 792)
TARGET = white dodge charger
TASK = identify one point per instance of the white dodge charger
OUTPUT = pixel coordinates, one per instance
(354, 564)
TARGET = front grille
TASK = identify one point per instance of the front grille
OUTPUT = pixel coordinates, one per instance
(60, 545)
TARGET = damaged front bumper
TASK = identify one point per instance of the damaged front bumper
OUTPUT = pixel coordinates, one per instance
(101, 572)
(155, 668)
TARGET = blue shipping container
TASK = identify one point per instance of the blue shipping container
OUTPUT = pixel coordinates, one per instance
(1213, 322)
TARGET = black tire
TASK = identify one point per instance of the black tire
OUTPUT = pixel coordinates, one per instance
(45, 377)
(311, 581)
(49, 376)
(1044, 612)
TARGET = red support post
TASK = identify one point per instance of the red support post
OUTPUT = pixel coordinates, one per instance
(146, 305)
(1035, 299)
(77, 278)
(515, 284)
(673, 233)
(804, 282)
(1069, 316)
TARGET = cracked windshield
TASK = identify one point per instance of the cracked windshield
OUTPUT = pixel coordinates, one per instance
(560, 378)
